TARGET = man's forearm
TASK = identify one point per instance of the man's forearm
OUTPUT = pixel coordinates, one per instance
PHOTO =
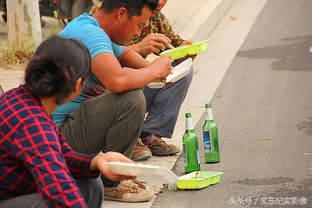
(133, 59)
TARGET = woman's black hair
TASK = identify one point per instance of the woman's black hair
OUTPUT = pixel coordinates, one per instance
(134, 7)
(55, 67)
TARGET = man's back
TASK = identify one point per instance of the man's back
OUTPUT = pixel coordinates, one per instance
(87, 30)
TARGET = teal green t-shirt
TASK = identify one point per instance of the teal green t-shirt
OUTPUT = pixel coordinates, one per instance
(86, 29)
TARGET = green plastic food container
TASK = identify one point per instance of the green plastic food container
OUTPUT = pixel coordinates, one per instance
(185, 50)
(198, 179)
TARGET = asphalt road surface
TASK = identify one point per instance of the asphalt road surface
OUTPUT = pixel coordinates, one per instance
(263, 108)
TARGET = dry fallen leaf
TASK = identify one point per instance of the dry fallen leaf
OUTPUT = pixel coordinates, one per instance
(265, 139)
(234, 18)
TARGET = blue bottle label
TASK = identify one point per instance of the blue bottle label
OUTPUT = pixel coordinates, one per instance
(207, 141)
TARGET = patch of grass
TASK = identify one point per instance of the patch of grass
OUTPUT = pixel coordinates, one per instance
(10, 58)
(18, 58)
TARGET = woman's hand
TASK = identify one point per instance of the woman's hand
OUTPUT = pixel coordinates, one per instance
(98, 163)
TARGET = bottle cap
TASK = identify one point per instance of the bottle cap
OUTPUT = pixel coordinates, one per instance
(188, 115)
(208, 105)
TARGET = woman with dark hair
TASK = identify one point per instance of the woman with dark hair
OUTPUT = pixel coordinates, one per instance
(38, 169)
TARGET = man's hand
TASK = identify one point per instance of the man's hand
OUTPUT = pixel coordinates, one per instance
(162, 67)
(152, 43)
(98, 163)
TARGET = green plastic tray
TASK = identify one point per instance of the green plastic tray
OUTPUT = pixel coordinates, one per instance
(185, 50)
(198, 179)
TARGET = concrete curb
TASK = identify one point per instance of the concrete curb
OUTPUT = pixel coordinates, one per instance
(206, 19)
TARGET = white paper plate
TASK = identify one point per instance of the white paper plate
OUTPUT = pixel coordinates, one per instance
(144, 173)
(179, 71)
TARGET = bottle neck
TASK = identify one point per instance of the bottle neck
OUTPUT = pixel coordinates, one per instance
(209, 116)
(188, 124)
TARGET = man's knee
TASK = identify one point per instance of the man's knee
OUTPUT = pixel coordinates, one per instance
(136, 100)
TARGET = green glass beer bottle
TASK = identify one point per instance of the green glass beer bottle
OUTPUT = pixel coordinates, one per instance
(190, 147)
(210, 137)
